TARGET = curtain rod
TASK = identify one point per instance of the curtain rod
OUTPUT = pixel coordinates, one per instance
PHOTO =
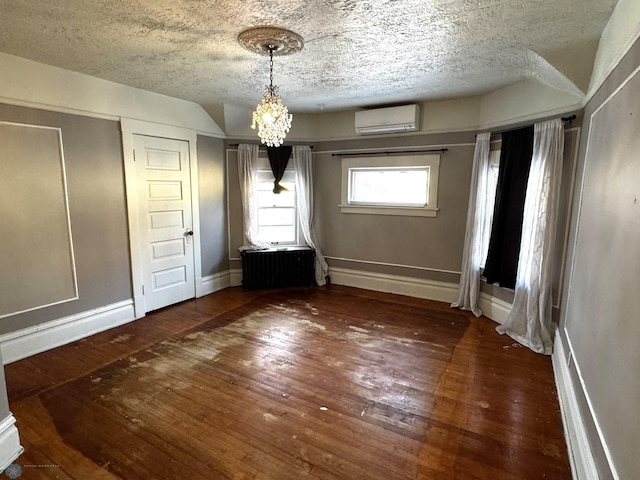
(564, 120)
(366, 154)
(264, 146)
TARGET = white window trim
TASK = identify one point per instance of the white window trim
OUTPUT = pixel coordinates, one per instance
(431, 161)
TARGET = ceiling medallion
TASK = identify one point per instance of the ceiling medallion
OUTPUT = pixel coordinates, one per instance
(257, 40)
(271, 116)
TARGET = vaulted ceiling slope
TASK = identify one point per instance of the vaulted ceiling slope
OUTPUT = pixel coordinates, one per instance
(357, 53)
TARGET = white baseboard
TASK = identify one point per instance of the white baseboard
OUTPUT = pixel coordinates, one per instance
(10, 447)
(39, 338)
(214, 283)
(583, 466)
(494, 308)
(413, 287)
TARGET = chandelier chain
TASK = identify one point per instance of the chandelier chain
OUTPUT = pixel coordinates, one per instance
(271, 47)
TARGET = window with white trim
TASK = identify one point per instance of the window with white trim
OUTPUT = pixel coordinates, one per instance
(391, 185)
(277, 214)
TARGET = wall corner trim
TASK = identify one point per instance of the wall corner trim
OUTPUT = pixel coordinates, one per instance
(583, 466)
(10, 447)
(40, 338)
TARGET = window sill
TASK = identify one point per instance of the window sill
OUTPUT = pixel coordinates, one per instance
(383, 210)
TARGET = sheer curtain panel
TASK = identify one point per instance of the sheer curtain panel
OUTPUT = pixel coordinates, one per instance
(247, 173)
(530, 319)
(469, 290)
(304, 192)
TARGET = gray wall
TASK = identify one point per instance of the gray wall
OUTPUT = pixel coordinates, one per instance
(213, 212)
(599, 320)
(418, 247)
(95, 177)
(423, 247)
(97, 205)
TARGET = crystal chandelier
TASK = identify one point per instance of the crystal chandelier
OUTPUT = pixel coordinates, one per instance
(271, 117)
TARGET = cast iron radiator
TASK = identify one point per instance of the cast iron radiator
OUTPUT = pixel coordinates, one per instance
(278, 267)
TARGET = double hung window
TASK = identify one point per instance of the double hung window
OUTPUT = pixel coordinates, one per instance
(277, 215)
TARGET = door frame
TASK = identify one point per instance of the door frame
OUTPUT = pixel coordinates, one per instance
(129, 128)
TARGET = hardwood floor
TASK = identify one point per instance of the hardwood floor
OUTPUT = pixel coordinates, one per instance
(318, 383)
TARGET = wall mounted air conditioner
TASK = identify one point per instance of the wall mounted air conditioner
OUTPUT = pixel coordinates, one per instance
(405, 118)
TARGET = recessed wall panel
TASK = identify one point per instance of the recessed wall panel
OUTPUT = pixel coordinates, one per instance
(37, 265)
(603, 305)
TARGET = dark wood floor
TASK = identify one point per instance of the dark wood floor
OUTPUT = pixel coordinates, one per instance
(318, 383)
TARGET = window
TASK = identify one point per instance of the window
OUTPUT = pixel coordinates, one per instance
(489, 200)
(277, 216)
(391, 185)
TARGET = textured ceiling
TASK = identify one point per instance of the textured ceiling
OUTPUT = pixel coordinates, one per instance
(357, 53)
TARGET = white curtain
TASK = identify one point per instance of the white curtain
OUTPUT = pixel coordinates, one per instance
(301, 157)
(474, 248)
(247, 173)
(530, 319)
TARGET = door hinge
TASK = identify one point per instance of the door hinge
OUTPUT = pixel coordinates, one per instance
(143, 289)
(134, 154)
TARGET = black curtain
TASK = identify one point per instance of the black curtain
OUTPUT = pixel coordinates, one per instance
(278, 159)
(506, 231)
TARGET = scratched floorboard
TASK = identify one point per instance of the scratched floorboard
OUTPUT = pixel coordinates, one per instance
(318, 383)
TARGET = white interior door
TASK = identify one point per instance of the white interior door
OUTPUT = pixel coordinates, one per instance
(165, 220)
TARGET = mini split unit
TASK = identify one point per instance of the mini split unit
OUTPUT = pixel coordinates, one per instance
(405, 118)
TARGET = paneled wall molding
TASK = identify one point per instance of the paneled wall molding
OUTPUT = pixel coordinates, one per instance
(583, 466)
(606, 151)
(10, 447)
(40, 338)
(49, 277)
